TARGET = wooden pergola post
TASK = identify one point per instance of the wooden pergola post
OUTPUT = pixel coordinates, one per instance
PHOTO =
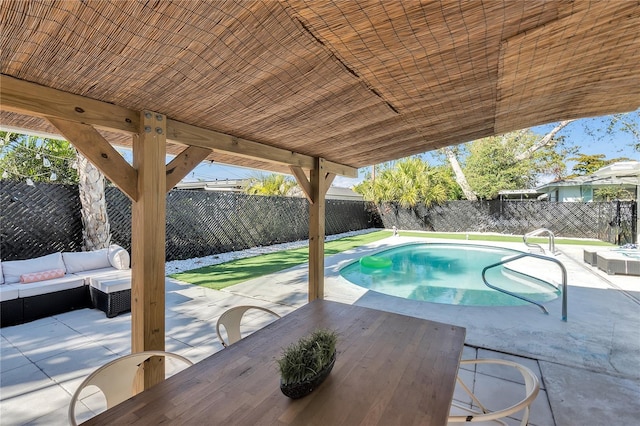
(148, 226)
(315, 189)
(317, 231)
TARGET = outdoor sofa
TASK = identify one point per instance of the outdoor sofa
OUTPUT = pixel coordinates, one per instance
(59, 282)
(619, 262)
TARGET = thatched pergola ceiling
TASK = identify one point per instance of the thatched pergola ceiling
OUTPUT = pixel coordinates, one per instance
(354, 82)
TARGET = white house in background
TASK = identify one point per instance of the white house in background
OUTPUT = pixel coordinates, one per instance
(584, 188)
(238, 185)
(224, 185)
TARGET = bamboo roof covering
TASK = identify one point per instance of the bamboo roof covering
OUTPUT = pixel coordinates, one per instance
(355, 82)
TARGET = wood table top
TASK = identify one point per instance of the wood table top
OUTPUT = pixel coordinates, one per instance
(390, 370)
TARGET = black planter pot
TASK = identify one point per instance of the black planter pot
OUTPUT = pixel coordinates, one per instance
(298, 390)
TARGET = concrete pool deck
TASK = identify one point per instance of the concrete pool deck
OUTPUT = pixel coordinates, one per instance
(589, 366)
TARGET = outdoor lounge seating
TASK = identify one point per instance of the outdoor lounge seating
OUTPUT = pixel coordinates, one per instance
(116, 378)
(618, 262)
(590, 256)
(59, 282)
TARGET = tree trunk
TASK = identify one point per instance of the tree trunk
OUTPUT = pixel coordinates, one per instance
(543, 142)
(96, 233)
(461, 179)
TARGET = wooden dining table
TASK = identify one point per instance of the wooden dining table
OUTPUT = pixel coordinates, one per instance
(390, 369)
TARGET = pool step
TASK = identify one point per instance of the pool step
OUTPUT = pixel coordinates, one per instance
(526, 281)
(536, 268)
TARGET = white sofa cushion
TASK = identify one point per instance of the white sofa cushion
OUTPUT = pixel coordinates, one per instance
(9, 292)
(14, 268)
(115, 274)
(111, 285)
(119, 257)
(86, 275)
(86, 260)
(43, 287)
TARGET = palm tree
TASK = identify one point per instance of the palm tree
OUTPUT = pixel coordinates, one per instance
(271, 184)
(408, 182)
(96, 229)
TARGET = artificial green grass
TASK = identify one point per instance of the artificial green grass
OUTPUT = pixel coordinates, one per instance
(236, 271)
(229, 273)
(502, 238)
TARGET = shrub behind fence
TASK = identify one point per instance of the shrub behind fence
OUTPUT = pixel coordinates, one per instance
(45, 218)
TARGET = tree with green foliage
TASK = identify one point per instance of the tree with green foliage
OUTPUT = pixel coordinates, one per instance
(35, 159)
(551, 145)
(496, 163)
(270, 184)
(587, 164)
(609, 125)
(611, 193)
(409, 182)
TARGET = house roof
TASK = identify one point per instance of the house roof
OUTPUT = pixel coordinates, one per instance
(238, 185)
(353, 82)
(589, 181)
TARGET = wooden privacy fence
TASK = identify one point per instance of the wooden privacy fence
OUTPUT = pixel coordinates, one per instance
(41, 219)
(614, 222)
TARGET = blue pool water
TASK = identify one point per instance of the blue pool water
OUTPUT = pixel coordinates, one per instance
(446, 273)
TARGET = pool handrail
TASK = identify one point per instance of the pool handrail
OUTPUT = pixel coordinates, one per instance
(526, 299)
(540, 231)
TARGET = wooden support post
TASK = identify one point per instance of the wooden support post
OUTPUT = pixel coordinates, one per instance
(148, 243)
(317, 230)
(315, 189)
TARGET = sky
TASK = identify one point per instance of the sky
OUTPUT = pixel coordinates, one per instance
(585, 133)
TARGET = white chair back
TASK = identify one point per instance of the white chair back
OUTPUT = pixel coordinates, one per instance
(231, 320)
(116, 378)
(480, 413)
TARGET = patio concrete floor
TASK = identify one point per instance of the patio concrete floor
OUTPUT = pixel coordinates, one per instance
(589, 366)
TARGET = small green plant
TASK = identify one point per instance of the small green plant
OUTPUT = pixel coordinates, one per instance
(302, 360)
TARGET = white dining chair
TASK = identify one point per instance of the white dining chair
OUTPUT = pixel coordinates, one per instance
(231, 320)
(478, 412)
(116, 378)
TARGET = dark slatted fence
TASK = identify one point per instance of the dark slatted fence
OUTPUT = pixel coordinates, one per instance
(45, 218)
(38, 220)
(41, 219)
(614, 222)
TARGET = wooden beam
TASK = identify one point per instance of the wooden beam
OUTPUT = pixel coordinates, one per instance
(183, 133)
(96, 149)
(148, 227)
(191, 135)
(328, 180)
(33, 99)
(305, 185)
(303, 181)
(183, 163)
(318, 180)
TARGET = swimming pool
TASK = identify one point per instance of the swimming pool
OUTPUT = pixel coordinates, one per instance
(446, 273)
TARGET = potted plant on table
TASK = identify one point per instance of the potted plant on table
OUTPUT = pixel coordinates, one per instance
(304, 365)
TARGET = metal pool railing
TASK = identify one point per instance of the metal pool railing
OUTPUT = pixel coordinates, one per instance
(541, 231)
(526, 299)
